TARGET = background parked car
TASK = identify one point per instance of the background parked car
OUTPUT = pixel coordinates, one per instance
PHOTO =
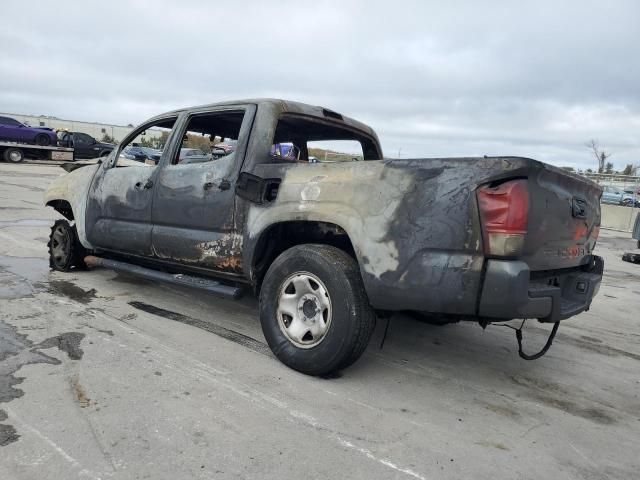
(14, 131)
(134, 153)
(193, 155)
(222, 149)
(616, 196)
(84, 145)
(152, 154)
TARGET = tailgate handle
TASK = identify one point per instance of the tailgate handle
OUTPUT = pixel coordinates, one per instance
(579, 208)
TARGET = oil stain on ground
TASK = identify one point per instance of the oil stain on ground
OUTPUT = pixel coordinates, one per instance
(72, 291)
(16, 350)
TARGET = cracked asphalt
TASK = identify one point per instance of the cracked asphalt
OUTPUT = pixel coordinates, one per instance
(110, 376)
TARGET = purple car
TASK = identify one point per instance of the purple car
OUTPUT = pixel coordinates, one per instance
(14, 131)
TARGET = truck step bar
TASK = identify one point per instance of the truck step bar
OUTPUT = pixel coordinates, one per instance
(209, 285)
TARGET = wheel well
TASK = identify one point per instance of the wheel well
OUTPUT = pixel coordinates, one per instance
(63, 207)
(282, 236)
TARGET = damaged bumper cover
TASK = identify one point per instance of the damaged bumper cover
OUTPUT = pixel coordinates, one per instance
(511, 290)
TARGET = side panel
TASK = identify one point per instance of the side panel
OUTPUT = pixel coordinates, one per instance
(414, 225)
(73, 188)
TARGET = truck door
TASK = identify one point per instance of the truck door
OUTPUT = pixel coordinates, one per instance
(118, 216)
(193, 206)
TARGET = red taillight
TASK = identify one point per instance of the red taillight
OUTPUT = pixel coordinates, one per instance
(504, 212)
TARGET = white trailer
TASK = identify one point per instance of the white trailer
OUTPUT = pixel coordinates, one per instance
(15, 152)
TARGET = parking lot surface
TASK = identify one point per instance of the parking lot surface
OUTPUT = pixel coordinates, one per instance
(104, 375)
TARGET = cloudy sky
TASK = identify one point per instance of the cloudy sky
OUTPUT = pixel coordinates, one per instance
(433, 78)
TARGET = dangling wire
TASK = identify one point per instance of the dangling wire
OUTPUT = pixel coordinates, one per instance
(386, 329)
(534, 356)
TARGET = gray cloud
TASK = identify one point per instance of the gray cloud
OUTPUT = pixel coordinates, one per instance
(433, 79)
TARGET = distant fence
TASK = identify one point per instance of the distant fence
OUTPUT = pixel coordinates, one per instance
(624, 182)
(613, 216)
(616, 217)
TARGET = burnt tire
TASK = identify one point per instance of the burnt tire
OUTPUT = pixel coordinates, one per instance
(13, 155)
(65, 250)
(43, 140)
(317, 271)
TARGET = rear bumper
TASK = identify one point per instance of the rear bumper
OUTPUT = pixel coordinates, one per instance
(510, 290)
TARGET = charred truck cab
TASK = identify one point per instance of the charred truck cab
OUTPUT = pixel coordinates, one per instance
(305, 211)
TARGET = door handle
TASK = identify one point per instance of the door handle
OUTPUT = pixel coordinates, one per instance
(144, 186)
(223, 185)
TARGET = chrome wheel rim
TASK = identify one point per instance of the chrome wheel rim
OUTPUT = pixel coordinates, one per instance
(60, 245)
(304, 309)
(15, 156)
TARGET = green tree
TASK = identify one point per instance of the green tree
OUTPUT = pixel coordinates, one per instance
(106, 138)
(630, 169)
(608, 168)
(146, 142)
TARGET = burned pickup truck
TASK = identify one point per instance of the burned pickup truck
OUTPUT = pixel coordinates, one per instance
(331, 244)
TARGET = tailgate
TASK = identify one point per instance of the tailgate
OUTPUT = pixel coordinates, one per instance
(564, 219)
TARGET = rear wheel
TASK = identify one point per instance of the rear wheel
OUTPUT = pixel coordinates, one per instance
(314, 310)
(43, 140)
(65, 250)
(14, 155)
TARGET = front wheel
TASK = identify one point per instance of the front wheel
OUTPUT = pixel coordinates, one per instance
(65, 250)
(314, 311)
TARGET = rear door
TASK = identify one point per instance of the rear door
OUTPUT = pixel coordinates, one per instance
(193, 207)
(118, 216)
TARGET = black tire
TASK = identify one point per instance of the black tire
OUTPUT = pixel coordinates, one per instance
(352, 319)
(65, 250)
(43, 140)
(13, 155)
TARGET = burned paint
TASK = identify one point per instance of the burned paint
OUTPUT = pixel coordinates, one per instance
(16, 351)
(413, 225)
(72, 189)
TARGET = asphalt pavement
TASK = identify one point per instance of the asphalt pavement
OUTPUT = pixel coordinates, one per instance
(104, 375)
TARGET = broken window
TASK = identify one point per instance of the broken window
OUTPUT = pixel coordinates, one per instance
(309, 140)
(132, 154)
(335, 151)
(210, 137)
